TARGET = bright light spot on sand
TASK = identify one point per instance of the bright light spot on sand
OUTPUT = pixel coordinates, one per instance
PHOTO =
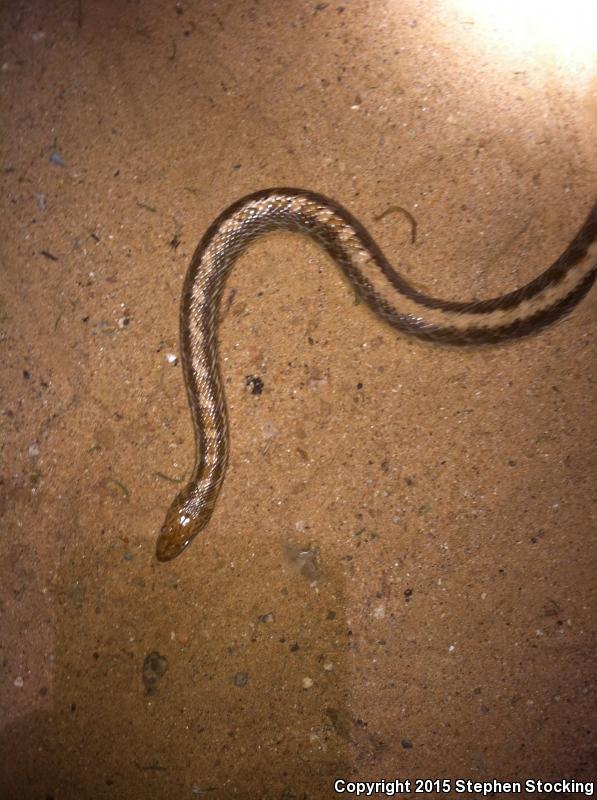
(564, 31)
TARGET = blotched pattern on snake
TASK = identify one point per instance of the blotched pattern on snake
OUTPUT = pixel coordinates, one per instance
(524, 311)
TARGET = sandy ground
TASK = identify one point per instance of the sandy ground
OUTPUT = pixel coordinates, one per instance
(398, 579)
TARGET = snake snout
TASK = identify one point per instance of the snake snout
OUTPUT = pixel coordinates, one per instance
(172, 540)
(180, 527)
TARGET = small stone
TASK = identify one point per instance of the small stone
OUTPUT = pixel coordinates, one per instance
(240, 679)
(255, 383)
(307, 683)
(19, 682)
(172, 359)
(155, 667)
(183, 637)
(57, 159)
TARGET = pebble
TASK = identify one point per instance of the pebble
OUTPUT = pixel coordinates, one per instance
(241, 678)
(155, 667)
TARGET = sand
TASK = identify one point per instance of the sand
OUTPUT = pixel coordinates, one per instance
(398, 580)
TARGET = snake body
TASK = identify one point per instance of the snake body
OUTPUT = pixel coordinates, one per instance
(519, 313)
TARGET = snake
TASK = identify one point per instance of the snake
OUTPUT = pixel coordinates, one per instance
(521, 312)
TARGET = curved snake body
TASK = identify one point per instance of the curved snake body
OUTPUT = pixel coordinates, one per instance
(524, 311)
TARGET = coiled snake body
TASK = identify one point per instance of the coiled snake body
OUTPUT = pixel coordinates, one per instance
(518, 313)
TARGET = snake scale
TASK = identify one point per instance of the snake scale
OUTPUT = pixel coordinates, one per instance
(519, 313)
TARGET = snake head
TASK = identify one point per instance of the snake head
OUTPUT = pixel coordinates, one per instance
(185, 518)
